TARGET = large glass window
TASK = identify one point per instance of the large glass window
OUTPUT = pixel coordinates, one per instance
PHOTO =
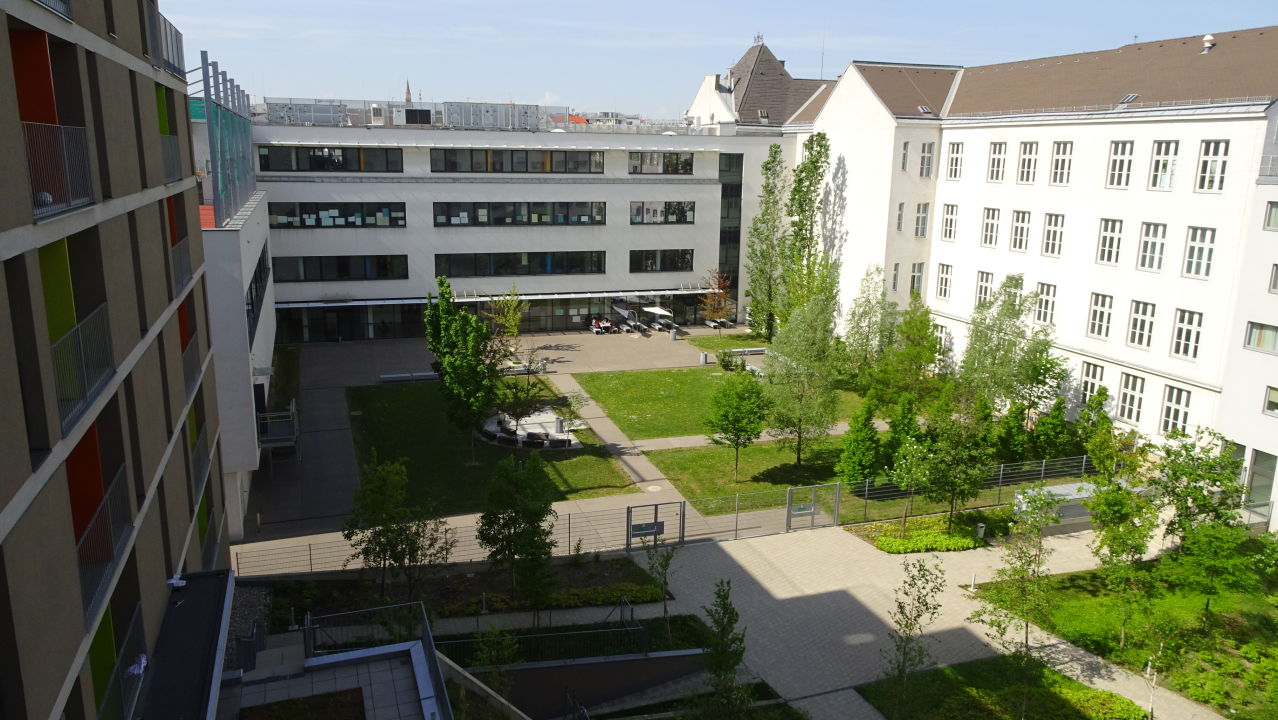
(926, 151)
(1199, 248)
(954, 170)
(1130, 398)
(660, 163)
(484, 214)
(989, 228)
(1093, 376)
(1027, 170)
(321, 268)
(984, 286)
(578, 262)
(329, 159)
(1120, 164)
(998, 161)
(1045, 307)
(515, 161)
(1153, 238)
(662, 212)
(336, 215)
(1062, 162)
(1163, 166)
(943, 273)
(1053, 234)
(1262, 337)
(920, 219)
(1102, 312)
(1109, 243)
(660, 261)
(1188, 331)
(1020, 230)
(1213, 155)
(949, 218)
(1140, 325)
(1175, 409)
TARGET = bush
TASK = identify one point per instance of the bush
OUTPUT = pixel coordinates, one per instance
(927, 541)
(1059, 703)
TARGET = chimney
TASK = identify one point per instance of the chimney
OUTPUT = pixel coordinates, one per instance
(1209, 42)
(782, 63)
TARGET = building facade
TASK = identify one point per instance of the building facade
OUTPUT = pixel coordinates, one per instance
(110, 424)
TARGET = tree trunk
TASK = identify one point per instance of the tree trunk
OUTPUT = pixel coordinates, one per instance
(949, 520)
(798, 450)
(736, 463)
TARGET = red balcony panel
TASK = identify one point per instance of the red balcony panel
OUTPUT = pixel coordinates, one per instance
(33, 76)
(184, 325)
(84, 480)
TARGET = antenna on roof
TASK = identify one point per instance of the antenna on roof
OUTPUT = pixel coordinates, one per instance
(822, 75)
(758, 39)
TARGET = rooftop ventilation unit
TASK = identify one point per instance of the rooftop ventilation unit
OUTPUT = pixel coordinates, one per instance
(1209, 42)
(925, 110)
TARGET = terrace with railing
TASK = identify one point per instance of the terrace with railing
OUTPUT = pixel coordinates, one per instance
(61, 7)
(170, 152)
(82, 364)
(101, 546)
(180, 261)
(201, 462)
(165, 46)
(58, 167)
(192, 365)
(120, 697)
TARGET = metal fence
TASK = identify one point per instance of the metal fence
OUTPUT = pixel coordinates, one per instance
(121, 693)
(102, 544)
(82, 364)
(180, 260)
(61, 7)
(1268, 165)
(201, 461)
(59, 169)
(192, 364)
(554, 646)
(171, 155)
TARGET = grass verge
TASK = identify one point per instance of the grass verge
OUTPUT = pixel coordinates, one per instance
(727, 341)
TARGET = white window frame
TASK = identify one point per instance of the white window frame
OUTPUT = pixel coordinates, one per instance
(1213, 156)
(1131, 396)
(1140, 324)
(1120, 164)
(1153, 242)
(1271, 216)
(1162, 167)
(1101, 316)
(1270, 404)
(984, 287)
(989, 228)
(998, 162)
(1200, 246)
(921, 212)
(1090, 380)
(1027, 165)
(1109, 242)
(1062, 161)
(1187, 334)
(1175, 409)
(1045, 306)
(1020, 231)
(943, 276)
(1261, 337)
(949, 220)
(900, 216)
(896, 275)
(905, 155)
(916, 278)
(1053, 234)
(954, 169)
(1273, 279)
(926, 152)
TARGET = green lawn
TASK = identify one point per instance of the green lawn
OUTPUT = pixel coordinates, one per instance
(727, 341)
(667, 403)
(986, 689)
(407, 421)
(1231, 663)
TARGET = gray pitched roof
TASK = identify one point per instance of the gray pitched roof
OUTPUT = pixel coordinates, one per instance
(761, 82)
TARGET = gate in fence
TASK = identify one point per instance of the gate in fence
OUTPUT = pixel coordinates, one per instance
(659, 522)
(811, 507)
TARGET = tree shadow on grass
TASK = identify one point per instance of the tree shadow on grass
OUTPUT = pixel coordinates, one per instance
(817, 469)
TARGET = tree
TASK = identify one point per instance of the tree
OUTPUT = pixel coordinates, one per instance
(1012, 438)
(534, 576)
(859, 461)
(801, 375)
(916, 604)
(1009, 607)
(514, 524)
(1200, 479)
(903, 426)
(1053, 436)
(738, 410)
(764, 248)
(959, 462)
(808, 273)
(716, 301)
(723, 656)
(908, 365)
(1214, 559)
(1093, 419)
(507, 313)
(871, 327)
(1006, 359)
(496, 649)
(911, 469)
(518, 400)
(467, 359)
(660, 557)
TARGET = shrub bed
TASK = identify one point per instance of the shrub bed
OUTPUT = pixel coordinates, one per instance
(927, 541)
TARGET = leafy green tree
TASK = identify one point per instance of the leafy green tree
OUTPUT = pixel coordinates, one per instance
(535, 577)
(871, 328)
(467, 359)
(723, 656)
(808, 273)
(1213, 559)
(515, 522)
(802, 370)
(1013, 439)
(1200, 479)
(1053, 436)
(1093, 419)
(518, 400)
(507, 311)
(903, 426)
(496, 649)
(912, 469)
(660, 557)
(1008, 359)
(916, 604)
(960, 461)
(909, 364)
(765, 247)
(738, 410)
(859, 461)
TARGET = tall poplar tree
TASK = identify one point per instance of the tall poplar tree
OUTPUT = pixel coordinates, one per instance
(766, 239)
(808, 272)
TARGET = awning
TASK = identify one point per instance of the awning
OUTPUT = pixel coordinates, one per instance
(462, 298)
(659, 311)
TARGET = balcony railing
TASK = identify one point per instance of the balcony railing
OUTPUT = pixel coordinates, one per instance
(58, 165)
(120, 698)
(1269, 165)
(192, 364)
(61, 7)
(82, 364)
(172, 159)
(102, 545)
(212, 543)
(180, 259)
(165, 43)
(201, 460)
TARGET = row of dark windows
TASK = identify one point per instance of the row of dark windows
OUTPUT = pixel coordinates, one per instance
(662, 213)
(520, 213)
(271, 158)
(517, 161)
(579, 262)
(256, 292)
(660, 163)
(336, 214)
(660, 261)
(311, 268)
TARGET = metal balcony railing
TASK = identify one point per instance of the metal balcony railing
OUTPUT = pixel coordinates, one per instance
(169, 151)
(164, 43)
(101, 547)
(212, 543)
(180, 259)
(201, 461)
(58, 166)
(61, 7)
(120, 698)
(1269, 165)
(82, 364)
(192, 365)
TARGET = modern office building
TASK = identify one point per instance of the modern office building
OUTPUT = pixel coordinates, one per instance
(109, 425)
(1134, 189)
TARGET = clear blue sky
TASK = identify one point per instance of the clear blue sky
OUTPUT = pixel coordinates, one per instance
(642, 57)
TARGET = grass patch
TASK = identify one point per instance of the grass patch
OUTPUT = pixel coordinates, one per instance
(985, 689)
(668, 403)
(341, 705)
(730, 341)
(1230, 663)
(285, 377)
(408, 421)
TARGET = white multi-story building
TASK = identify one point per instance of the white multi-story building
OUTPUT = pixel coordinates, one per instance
(1135, 190)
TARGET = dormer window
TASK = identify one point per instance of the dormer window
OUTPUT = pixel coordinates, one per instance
(925, 110)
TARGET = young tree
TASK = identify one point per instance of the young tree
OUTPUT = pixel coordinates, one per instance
(911, 469)
(427, 544)
(1093, 419)
(507, 312)
(723, 656)
(518, 400)
(1200, 479)
(903, 426)
(871, 327)
(738, 410)
(1053, 436)
(1007, 359)
(808, 273)
(959, 464)
(716, 301)
(466, 358)
(496, 649)
(535, 578)
(1213, 559)
(515, 522)
(764, 248)
(1012, 438)
(660, 557)
(909, 364)
(801, 373)
(916, 605)
(372, 527)
(859, 461)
